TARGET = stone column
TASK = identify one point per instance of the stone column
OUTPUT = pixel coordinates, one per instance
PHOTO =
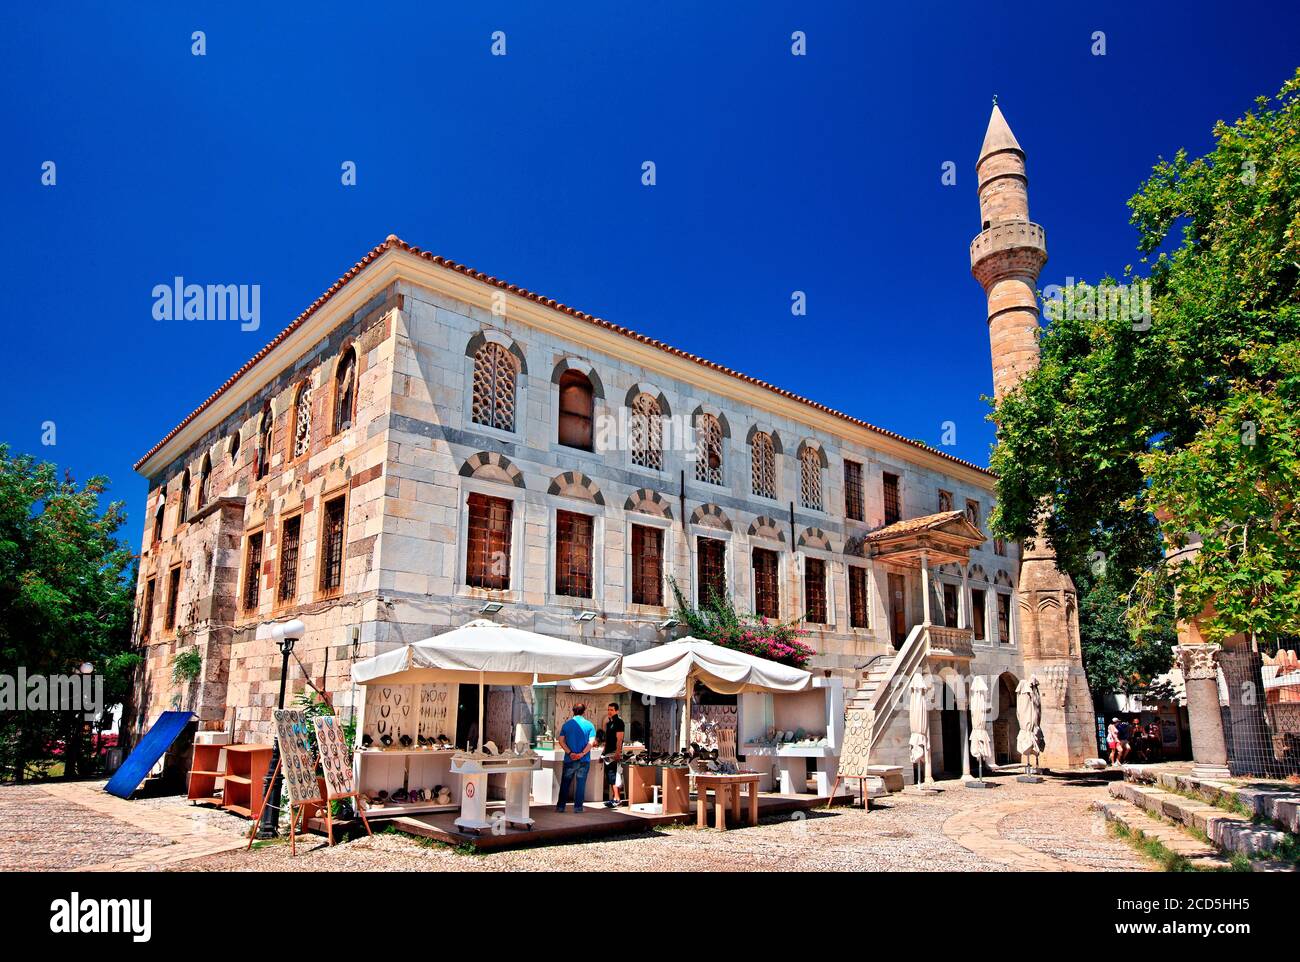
(1199, 665)
(925, 587)
(963, 603)
(963, 714)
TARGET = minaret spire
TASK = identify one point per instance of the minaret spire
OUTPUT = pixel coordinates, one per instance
(1007, 256)
(1006, 259)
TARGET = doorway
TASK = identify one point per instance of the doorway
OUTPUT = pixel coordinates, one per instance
(950, 727)
(467, 717)
(897, 609)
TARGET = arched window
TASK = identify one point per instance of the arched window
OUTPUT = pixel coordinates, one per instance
(708, 449)
(158, 517)
(764, 470)
(495, 370)
(264, 428)
(234, 449)
(184, 514)
(345, 391)
(302, 421)
(646, 432)
(577, 410)
(810, 481)
(205, 480)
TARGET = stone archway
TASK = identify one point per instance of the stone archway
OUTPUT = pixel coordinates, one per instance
(1006, 728)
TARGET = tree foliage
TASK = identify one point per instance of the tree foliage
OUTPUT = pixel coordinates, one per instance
(1125, 420)
(66, 599)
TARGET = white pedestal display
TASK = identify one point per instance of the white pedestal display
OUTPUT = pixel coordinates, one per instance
(517, 793)
(473, 802)
(474, 769)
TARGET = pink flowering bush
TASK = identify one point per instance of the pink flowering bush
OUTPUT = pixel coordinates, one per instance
(762, 637)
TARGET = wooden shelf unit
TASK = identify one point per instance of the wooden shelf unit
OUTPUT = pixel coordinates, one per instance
(204, 774)
(241, 778)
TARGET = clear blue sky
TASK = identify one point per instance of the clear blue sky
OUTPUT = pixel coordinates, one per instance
(775, 173)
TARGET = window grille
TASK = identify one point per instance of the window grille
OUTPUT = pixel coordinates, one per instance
(767, 587)
(764, 466)
(495, 371)
(708, 455)
(854, 502)
(573, 536)
(289, 539)
(647, 433)
(487, 555)
(647, 565)
(332, 548)
(814, 591)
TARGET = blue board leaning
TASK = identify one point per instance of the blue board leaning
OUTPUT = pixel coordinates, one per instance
(151, 748)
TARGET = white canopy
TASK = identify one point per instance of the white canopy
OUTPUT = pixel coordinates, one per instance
(1029, 715)
(662, 671)
(981, 745)
(485, 652)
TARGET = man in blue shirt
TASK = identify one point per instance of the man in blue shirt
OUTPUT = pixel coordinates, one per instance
(575, 740)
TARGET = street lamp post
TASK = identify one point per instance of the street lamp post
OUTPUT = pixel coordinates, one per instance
(285, 636)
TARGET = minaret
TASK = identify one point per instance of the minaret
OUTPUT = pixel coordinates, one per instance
(1006, 259)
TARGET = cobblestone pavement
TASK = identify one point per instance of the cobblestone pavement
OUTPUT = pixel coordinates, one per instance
(76, 826)
(1045, 827)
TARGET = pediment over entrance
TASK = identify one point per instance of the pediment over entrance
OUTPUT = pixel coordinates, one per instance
(946, 537)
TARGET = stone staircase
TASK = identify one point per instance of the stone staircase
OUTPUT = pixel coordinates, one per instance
(883, 692)
(1209, 823)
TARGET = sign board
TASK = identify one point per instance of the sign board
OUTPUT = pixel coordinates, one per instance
(334, 755)
(296, 760)
(854, 755)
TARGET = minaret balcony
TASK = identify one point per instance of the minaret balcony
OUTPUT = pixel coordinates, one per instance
(1024, 238)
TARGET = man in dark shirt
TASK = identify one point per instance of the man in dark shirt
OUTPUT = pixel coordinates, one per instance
(613, 751)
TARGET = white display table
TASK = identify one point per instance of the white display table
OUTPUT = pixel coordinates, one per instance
(792, 767)
(474, 769)
(546, 778)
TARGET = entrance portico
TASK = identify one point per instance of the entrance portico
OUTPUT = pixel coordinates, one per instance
(916, 548)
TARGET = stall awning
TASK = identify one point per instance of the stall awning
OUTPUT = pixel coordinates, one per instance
(489, 653)
(662, 671)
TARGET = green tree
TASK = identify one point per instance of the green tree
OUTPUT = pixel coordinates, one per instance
(1126, 419)
(1236, 488)
(66, 599)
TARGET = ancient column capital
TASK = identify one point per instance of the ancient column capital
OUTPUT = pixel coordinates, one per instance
(1198, 661)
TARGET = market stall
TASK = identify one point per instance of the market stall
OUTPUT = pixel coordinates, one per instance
(671, 670)
(783, 737)
(409, 680)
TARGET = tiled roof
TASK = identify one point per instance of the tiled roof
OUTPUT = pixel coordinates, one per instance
(912, 525)
(393, 242)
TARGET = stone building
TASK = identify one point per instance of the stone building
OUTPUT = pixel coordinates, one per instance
(426, 444)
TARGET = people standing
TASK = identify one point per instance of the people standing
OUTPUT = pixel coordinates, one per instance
(1123, 732)
(614, 729)
(575, 739)
(1112, 740)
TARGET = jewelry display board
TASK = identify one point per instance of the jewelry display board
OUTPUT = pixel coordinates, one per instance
(714, 726)
(293, 730)
(411, 771)
(436, 712)
(665, 724)
(335, 758)
(857, 743)
(390, 714)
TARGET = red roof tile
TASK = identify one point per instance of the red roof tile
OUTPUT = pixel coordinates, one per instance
(394, 242)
